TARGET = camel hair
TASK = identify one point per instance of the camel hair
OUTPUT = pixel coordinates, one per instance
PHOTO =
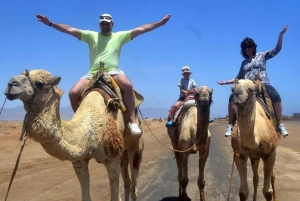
(93, 132)
(192, 131)
(253, 137)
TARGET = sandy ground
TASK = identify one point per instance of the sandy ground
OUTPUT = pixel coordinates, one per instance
(42, 177)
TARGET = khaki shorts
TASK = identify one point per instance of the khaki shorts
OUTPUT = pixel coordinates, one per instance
(112, 72)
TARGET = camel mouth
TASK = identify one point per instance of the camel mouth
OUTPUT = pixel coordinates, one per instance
(203, 102)
(11, 96)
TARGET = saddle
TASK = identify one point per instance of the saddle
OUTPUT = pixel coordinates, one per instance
(264, 99)
(178, 113)
(102, 83)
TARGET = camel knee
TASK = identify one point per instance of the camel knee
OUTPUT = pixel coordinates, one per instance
(201, 184)
(243, 196)
(268, 196)
(184, 182)
(137, 160)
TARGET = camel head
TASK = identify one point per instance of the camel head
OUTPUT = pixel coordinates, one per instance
(203, 96)
(30, 85)
(243, 90)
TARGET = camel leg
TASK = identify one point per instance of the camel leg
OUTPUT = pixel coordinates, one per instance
(254, 164)
(82, 172)
(268, 173)
(184, 180)
(241, 165)
(273, 187)
(135, 158)
(113, 167)
(203, 154)
(177, 157)
(125, 174)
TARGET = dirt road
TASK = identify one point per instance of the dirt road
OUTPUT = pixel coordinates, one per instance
(41, 177)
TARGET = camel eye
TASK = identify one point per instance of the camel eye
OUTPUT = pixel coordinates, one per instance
(39, 85)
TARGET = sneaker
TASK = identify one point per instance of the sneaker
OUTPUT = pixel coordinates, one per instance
(282, 130)
(228, 130)
(170, 124)
(134, 129)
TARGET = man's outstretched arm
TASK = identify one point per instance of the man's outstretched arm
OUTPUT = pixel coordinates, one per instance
(149, 27)
(60, 27)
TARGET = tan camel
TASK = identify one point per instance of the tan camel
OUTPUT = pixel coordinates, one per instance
(193, 130)
(91, 133)
(255, 137)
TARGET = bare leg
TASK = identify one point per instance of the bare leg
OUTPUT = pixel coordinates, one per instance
(75, 93)
(129, 101)
(231, 112)
(278, 112)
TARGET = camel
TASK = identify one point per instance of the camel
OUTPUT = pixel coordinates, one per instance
(192, 131)
(91, 133)
(253, 137)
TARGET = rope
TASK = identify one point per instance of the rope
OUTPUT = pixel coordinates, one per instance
(16, 166)
(229, 190)
(3, 106)
(175, 150)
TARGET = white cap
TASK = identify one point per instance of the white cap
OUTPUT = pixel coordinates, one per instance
(106, 18)
(185, 69)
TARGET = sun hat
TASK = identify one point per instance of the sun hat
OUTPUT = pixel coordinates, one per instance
(186, 69)
(106, 18)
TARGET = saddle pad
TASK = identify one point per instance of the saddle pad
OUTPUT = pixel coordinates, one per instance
(138, 98)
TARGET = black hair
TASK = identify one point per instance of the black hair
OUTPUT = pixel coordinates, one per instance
(248, 42)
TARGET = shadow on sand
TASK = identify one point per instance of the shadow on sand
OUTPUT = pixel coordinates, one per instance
(169, 199)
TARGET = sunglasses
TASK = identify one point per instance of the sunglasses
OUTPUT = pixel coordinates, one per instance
(105, 17)
(248, 47)
(185, 70)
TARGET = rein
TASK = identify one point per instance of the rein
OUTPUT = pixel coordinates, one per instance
(175, 150)
(23, 137)
(18, 160)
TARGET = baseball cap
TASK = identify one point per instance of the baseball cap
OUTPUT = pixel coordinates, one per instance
(186, 69)
(106, 18)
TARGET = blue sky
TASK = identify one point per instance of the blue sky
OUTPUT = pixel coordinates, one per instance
(204, 35)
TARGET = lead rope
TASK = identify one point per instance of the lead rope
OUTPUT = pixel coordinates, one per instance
(17, 162)
(175, 150)
(3, 106)
(230, 183)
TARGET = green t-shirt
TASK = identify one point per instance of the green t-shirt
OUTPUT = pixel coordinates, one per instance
(104, 48)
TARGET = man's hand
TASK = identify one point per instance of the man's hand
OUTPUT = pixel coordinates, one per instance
(43, 19)
(165, 19)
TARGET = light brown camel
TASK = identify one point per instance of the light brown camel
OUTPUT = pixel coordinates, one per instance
(91, 133)
(193, 131)
(253, 137)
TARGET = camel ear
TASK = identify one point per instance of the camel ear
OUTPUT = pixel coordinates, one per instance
(26, 73)
(56, 80)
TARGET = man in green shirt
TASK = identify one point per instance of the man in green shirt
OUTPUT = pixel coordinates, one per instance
(105, 46)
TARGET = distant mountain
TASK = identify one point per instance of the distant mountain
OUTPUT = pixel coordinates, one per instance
(18, 113)
(154, 112)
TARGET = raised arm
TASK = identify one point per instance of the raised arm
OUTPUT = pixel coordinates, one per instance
(149, 27)
(279, 42)
(231, 81)
(60, 27)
